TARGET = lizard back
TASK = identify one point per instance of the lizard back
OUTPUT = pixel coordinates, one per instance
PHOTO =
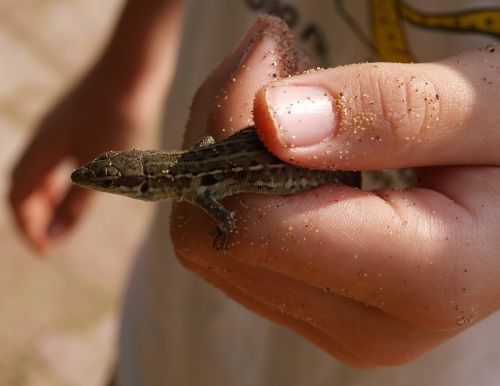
(242, 164)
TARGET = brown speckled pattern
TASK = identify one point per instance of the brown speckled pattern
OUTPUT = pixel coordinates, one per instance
(205, 174)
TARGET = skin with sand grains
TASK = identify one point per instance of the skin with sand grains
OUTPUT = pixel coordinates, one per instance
(374, 278)
(342, 267)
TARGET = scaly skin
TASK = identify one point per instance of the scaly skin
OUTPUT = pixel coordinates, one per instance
(204, 175)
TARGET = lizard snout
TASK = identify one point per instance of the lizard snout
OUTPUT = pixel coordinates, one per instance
(80, 176)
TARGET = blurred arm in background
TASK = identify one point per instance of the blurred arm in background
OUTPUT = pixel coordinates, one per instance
(108, 109)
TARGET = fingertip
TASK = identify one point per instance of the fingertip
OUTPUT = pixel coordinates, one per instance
(264, 122)
(298, 124)
(32, 216)
(202, 103)
(40, 247)
(33, 233)
(272, 54)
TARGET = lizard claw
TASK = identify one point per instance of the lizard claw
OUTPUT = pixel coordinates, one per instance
(221, 240)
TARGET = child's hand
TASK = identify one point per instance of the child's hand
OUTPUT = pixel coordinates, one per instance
(92, 119)
(374, 278)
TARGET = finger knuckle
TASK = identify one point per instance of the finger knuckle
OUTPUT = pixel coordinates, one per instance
(405, 104)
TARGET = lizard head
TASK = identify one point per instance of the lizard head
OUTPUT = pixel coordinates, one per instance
(116, 172)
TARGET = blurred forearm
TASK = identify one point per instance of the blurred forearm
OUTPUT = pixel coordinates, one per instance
(140, 58)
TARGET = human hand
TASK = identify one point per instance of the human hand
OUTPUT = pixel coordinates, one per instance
(374, 278)
(108, 109)
(94, 117)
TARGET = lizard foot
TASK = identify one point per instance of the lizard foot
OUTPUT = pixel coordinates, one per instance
(221, 240)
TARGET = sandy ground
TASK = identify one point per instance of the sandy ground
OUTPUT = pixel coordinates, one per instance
(58, 315)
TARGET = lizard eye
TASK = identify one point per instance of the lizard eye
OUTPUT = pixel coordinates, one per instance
(102, 157)
(144, 187)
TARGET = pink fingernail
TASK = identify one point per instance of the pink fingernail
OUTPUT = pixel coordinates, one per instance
(303, 115)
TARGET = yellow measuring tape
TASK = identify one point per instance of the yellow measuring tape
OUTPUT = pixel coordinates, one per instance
(388, 32)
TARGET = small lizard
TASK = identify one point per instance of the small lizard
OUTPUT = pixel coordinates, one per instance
(203, 175)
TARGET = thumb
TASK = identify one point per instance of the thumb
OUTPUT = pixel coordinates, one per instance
(385, 115)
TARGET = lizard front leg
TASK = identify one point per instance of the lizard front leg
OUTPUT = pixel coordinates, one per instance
(222, 216)
(204, 141)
